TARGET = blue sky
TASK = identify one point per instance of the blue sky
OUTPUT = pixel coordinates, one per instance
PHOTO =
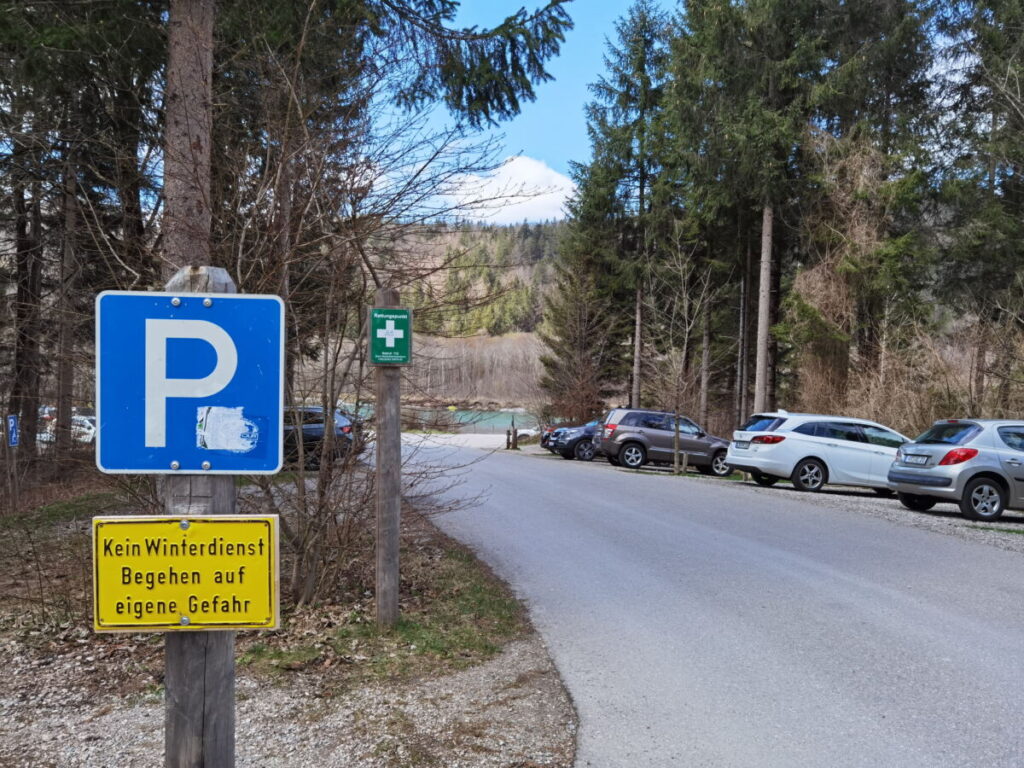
(552, 130)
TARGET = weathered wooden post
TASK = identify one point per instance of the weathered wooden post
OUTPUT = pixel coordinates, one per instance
(199, 708)
(390, 344)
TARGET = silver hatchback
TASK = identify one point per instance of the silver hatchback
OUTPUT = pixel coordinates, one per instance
(976, 463)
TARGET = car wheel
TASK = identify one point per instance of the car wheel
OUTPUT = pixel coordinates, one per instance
(983, 499)
(719, 467)
(884, 492)
(809, 475)
(766, 480)
(633, 456)
(584, 450)
(916, 502)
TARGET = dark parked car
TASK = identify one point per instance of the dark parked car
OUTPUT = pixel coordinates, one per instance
(309, 421)
(632, 437)
(553, 437)
(577, 442)
(547, 432)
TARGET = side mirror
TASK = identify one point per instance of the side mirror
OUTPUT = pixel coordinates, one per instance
(701, 433)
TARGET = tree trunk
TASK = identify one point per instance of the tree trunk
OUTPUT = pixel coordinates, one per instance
(199, 715)
(764, 311)
(980, 368)
(743, 343)
(634, 395)
(66, 315)
(189, 125)
(774, 316)
(127, 117)
(24, 397)
(705, 361)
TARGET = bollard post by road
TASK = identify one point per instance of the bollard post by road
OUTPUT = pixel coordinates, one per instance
(199, 678)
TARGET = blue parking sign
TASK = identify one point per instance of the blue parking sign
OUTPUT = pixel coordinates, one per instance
(189, 383)
(13, 433)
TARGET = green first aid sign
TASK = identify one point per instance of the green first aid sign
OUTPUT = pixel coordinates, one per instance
(390, 336)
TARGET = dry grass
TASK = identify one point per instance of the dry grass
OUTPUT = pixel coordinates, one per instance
(454, 612)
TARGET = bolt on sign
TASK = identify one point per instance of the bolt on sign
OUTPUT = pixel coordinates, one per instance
(160, 574)
(390, 336)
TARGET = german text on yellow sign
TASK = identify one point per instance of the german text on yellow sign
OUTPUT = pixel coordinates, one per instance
(174, 573)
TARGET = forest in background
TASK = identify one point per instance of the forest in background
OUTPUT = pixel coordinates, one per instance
(812, 205)
(803, 204)
(290, 142)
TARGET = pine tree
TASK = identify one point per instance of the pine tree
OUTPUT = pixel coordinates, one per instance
(611, 216)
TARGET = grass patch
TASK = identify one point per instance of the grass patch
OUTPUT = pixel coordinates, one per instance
(271, 660)
(67, 510)
(285, 476)
(1018, 531)
(459, 614)
(454, 612)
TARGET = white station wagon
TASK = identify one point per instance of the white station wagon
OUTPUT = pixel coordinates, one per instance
(812, 449)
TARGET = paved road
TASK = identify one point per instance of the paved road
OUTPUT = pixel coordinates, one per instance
(697, 623)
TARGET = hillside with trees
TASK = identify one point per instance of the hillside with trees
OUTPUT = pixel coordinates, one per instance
(809, 205)
(489, 279)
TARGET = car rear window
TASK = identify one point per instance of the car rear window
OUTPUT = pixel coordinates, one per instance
(949, 433)
(630, 419)
(1013, 437)
(761, 423)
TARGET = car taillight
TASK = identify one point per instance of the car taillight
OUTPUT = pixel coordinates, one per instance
(768, 439)
(958, 456)
(346, 430)
(608, 429)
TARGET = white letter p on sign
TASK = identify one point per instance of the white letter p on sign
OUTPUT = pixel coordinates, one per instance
(159, 387)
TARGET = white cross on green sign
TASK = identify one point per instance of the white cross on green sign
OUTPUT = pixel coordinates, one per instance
(390, 336)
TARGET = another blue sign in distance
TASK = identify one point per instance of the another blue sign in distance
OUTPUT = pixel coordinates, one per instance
(13, 432)
(189, 383)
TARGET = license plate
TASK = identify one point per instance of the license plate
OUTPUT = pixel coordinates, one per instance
(915, 459)
(742, 443)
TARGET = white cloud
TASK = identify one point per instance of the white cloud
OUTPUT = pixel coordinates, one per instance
(521, 189)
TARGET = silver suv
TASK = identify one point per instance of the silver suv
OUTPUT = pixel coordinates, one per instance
(632, 437)
(977, 463)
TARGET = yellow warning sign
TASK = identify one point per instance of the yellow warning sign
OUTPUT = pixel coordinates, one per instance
(185, 573)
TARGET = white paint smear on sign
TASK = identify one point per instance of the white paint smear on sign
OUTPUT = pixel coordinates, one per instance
(225, 429)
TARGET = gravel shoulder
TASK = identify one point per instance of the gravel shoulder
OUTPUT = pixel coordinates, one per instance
(69, 697)
(509, 711)
(1006, 533)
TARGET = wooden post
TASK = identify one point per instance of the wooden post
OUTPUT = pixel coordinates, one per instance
(199, 702)
(389, 479)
